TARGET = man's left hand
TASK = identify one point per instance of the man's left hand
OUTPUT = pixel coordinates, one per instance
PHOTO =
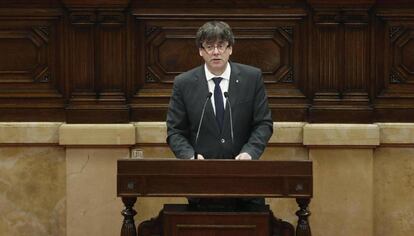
(243, 156)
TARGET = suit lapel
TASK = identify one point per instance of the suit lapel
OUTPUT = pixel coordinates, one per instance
(200, 84)
(234, 93)
(234, 84)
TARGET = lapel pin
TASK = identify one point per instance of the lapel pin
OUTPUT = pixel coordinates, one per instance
(237, 81)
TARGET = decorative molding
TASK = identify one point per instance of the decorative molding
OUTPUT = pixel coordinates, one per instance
(326, 18)
(394, 30)
(289, 77)
(288, 30)
(43, 76)
(150, 29)
(82, 18)
(43, 31)
(111, 18)
(342, 17)
(395, 78)
(91, 17)
(150, 77)
(360, 17)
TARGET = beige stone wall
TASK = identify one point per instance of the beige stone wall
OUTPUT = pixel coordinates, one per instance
(60, 179)
(32, 180)
(394, 181)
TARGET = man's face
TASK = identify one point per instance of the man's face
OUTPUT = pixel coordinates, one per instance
(216, 55)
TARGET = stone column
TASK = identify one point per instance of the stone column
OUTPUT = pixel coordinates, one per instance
(91, 154)
(343, 157)
(394, 180)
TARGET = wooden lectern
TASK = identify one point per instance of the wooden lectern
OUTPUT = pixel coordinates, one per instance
(213, 178)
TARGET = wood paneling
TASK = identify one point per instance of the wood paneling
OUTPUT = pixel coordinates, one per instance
(393, 98)
(271, 41)
(97, 66)
(340, 66)
(30, 78)
(115, 60)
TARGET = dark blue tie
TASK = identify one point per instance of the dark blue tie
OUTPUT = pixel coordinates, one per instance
(218, 102)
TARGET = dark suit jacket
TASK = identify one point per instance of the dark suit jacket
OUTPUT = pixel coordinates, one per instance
(252, 121)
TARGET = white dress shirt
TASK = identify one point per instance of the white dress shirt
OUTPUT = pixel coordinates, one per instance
(224, 84)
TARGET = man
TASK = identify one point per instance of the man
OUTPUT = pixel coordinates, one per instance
(218, 110)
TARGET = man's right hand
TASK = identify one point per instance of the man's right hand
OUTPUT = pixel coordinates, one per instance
(200, 157)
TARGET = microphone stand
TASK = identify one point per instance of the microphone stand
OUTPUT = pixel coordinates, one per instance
(201, 121)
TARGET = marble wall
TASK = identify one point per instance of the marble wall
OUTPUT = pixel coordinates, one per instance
(394, 181)
(32, 180)
(60, 179)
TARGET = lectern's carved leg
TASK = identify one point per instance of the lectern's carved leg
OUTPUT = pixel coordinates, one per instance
(303, 228)
(128, 226)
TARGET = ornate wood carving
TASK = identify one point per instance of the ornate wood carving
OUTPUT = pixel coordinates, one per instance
(394, 31)
(167, 43)
(340, 71)
(393, 99)
(303, 213)
(24, 55)
(403, 48)
(98, 84)
(395, 78)
(30, 75)
(289, 77)
(150, 30)
(150, 77)
(128, 225)
(115, 60)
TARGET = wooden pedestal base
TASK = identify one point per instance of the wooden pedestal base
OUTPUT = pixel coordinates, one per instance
(179, 220)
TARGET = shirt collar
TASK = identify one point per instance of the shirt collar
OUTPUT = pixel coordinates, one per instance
(225, 75)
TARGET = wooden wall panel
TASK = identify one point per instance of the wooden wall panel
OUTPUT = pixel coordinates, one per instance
(97, 66)
(30, 81)
(394, 94)
(167, 47)
(356, 59)
(114, 61)
(340, 66)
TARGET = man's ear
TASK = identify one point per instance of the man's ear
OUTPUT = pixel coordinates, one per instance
(230, 50)
(200, 51)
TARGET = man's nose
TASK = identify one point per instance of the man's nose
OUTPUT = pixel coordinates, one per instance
(216, 50)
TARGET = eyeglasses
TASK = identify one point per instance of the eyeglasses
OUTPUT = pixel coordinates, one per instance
(210, 48)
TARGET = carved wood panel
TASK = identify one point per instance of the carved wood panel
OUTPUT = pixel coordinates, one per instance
(30, 78)
(24, 57)
(168, 48)
(341, 58)
(97, 66)
(115, 60)
(402, 54)
(393, 98)
(171, 50)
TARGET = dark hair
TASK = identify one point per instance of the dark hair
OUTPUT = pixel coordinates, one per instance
(213, 31)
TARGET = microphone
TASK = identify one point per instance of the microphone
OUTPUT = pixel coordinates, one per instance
(226, 94)
(201, 119)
